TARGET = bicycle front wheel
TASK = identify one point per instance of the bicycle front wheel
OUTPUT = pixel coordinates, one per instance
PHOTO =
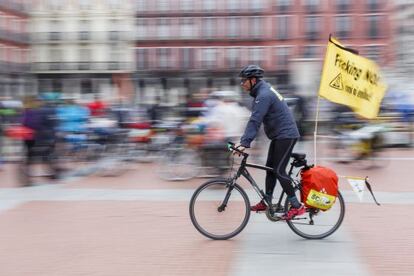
(218, 210)
(318, 224)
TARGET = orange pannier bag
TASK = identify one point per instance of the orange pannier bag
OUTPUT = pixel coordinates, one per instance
(319, 187)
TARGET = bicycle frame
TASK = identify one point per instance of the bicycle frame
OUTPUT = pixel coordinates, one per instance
(242, 171)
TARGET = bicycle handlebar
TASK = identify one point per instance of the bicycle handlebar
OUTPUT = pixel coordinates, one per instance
(231, 146)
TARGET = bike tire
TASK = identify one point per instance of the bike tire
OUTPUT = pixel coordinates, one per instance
(215, 191)
(295, 223)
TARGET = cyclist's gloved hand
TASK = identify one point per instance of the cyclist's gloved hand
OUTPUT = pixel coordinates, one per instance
(240, 148)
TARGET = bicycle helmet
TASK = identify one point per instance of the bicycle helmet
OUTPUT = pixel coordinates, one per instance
(251, 71)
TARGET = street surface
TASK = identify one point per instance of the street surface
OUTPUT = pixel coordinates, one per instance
(137, 224)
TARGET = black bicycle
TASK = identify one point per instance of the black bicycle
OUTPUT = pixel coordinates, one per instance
(220, 208)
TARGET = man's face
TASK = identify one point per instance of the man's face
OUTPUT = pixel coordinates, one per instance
(246, 84)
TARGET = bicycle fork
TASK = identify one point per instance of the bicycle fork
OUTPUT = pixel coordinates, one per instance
(223, 205)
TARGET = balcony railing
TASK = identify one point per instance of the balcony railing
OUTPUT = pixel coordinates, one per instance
(53, 36)
(81, 66)
(12, 67)
(22, 38)
(343, 7)
(84, 35)
(99, 36)
(312, 35)
(198, 37)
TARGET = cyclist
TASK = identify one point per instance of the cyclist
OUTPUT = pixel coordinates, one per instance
(270, 108)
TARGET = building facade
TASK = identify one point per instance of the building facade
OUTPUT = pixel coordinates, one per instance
(15, 78)
(83, 47)
(188, 45)
(404, 18)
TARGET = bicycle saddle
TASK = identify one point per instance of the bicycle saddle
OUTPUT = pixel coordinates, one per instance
(298, 156)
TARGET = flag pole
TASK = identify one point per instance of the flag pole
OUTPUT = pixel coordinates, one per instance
(315, 131)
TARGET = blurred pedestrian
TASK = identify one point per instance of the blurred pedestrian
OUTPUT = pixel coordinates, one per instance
(40, 116)
(270, 109)
(97, 108)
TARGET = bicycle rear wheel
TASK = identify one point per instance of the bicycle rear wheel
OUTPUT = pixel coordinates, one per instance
(318, 224)
(214, 220)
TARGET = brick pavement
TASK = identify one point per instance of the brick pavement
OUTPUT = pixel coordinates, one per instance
(63, 230)
(385, 237)
(107, 238)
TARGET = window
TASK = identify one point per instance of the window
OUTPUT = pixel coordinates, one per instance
(15, 25)
(141, 5)
(256, 55)
(3, 20)
(85, 54)
(2, 53)
(142, 59)
(84, 26)
(256, 5)
(233, 27)
(187, 58)
(343, 5)
(256, 26)
(55, 28)
(55, 5)
(115, 52)
(373, 5)
(141, 29)
(209, 5)
(163, 5)
(26, 55)
(187, 28)
(282, 27)
(209, 26)
(113, 4)
(84, 58)
(311, 51)
(113, 29)
(164, 57)
(373, 52)
(86, 86)
(16, 55)
(283, 5)
(373, 26)
(343, 26)
(163, 28)
(282, 56)
(312, 26)
(208, 58)
(55, 58)
(85, 4)
(233, 5)
(186, 5)
(233, 57)
(311, 5)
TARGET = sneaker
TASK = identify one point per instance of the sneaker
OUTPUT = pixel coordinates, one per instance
(293, 212)
(261, 206)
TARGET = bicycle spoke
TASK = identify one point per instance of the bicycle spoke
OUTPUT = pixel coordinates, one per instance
(324, 223)
(213, 221)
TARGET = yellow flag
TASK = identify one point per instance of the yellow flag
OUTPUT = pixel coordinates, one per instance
(351, 80)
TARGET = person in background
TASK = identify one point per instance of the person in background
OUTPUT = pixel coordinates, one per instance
(97, 108)
(40, 116)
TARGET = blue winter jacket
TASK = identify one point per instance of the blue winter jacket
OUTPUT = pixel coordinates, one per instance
(270, 108)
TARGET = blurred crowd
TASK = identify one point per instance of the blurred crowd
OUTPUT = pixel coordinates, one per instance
(60, 132)
(63, 134)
